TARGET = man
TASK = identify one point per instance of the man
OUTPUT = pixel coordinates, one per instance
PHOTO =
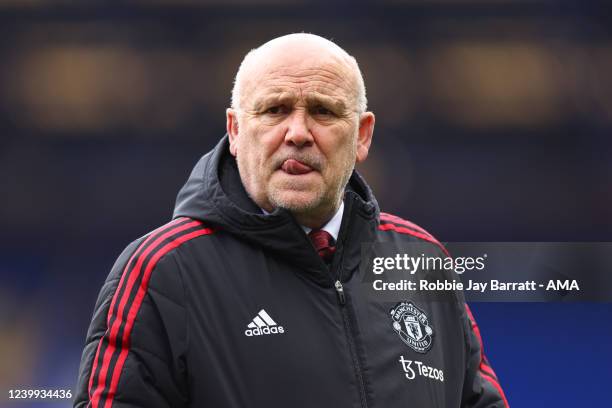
(248, 298)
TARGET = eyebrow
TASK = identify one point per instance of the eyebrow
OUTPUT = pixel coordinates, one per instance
(273, 96)
(312, 99)
(319, 99)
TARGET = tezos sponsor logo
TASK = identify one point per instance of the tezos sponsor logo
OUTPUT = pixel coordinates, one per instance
(421, 369)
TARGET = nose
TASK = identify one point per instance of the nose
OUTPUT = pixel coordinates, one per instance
(298, 129)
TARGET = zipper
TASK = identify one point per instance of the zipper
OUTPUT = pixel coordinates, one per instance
(336, 273)
(340, 292)
(351, 342)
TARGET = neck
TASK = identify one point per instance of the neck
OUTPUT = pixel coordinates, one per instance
(316, 219)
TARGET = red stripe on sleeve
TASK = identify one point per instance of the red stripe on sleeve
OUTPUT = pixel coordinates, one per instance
(485, 371)
(132, 276)
(398, 220)
(426, 237)
(136, 306)
(123, 275)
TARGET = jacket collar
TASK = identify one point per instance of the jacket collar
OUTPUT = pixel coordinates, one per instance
(215, 195)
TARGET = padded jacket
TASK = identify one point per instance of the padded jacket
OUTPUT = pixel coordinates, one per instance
(227, 307)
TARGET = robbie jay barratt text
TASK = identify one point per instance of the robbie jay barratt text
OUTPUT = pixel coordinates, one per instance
(493, 285)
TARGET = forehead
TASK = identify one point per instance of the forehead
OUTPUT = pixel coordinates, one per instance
(311, 79)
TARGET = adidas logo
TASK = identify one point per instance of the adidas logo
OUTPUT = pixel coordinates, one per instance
(263, 324)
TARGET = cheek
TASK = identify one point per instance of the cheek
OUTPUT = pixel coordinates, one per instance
(257, 158)
(340, 144)
(248, 147)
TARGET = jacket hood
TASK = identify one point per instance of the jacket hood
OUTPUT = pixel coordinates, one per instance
(214, 194)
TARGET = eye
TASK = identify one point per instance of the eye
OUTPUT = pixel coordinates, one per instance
(276, 110)
(322, 111)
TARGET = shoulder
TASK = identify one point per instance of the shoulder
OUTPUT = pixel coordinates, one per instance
(392, 224)
(147, 251)
(170, 237)
(139, 266)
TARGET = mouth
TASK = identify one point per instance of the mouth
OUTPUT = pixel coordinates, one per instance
(295, 167)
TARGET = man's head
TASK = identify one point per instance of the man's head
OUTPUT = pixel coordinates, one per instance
(298, 125)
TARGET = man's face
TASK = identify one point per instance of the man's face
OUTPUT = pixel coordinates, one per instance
(298, 134)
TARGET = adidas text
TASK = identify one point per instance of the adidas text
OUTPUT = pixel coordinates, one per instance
(266, 330)
(263, 324)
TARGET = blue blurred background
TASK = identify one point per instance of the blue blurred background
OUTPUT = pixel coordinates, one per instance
(494, 123)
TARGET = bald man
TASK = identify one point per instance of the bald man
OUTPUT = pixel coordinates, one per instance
(250, 296)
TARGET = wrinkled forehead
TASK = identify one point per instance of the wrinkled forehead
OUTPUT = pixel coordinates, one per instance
(294, 77)
(309, 86)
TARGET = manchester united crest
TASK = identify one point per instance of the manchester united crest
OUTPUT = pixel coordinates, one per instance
(412, 326)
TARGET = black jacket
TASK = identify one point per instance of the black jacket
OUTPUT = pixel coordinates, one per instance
(227, 307)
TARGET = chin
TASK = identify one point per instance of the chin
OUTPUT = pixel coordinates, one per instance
(296, 201)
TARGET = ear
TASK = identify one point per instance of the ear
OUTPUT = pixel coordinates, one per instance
(364, 136)
(231, 125)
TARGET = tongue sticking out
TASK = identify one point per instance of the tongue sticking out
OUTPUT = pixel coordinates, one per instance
(293, 166)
